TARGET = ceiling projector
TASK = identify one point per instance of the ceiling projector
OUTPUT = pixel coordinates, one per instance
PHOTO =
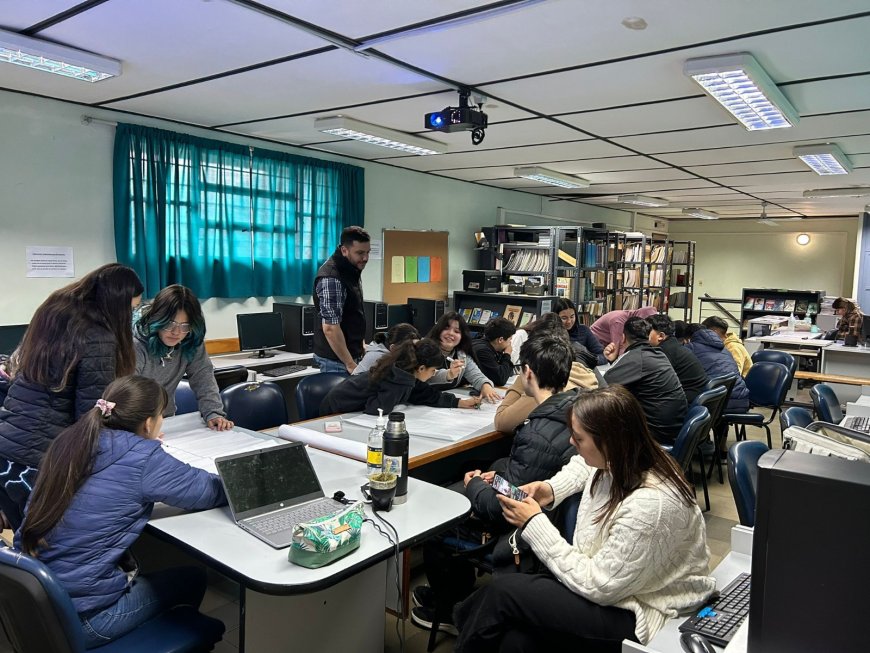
(461, 118)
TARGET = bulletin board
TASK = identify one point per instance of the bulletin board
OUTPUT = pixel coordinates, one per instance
(415, 265)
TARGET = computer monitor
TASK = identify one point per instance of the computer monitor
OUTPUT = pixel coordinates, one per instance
(865, 330)
(11, 336)
(260, 332)
(810, 566)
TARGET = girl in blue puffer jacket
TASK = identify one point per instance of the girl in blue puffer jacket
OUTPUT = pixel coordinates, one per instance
(97, 486)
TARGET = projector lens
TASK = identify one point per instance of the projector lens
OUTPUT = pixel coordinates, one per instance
(435, 120)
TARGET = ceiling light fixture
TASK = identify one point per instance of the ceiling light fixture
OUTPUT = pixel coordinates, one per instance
(827, 159)
(742, 86)
(803, 239)
(634, 22)
(376, 135)
(701, 213)
(54, 58)
(551, 177)
(854, 191)
(642, 200)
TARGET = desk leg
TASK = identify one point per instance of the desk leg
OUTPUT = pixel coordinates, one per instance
(345, 617)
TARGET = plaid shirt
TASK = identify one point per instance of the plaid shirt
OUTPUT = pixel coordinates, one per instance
(331, 294)
(850, 325)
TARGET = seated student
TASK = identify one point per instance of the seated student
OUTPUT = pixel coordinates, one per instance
(493, 351)
(547, 321)
(170, 333)
(646, 373)
(608, 328)
(851, 319)
(681, 331)
(383, 344)
(639, 554)
(579, 333)
(689, 370)
(451, 333)
(540, 448)
(98, 482)
(710, 350)
(397, 378)
(732, 343)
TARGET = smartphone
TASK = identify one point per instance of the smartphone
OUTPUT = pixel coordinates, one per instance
(502, 486)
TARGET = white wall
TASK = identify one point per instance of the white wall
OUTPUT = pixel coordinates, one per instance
(56, 189)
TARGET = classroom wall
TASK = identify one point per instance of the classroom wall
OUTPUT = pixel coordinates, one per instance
(56, 189)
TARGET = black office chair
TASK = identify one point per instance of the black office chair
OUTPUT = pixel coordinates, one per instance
(826, 404)
(794, 416)
(227, 376)
(743, 477)
(768, 383)
(777, 356)
(696, 428)
(185, 399)
(311, 391)
(38, 616)
(255, 406)
(718, 424)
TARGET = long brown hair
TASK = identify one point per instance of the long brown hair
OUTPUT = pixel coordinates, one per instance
(408, 356)
(55, 340)
(69, 460)
(614, 420)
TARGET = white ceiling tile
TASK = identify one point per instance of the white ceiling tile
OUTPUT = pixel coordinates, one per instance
(19, 15)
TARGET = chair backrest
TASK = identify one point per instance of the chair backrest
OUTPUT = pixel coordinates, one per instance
(255, 406)
(743, 477)
(311, 391)
(36, 612)
(794, 416)
(826, 404)
(185, 399)
(768, 383)
(714, 400)
(227, 376)
(695, 428)
(777, 356)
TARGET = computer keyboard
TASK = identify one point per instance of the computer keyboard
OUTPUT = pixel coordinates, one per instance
(283, 520)
(858, 423)
(719, 620)
(284, 370)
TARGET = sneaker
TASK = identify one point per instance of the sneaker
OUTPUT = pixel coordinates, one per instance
(423, 596)
(423, 617)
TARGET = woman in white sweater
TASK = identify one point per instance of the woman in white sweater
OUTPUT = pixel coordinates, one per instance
(639, 554)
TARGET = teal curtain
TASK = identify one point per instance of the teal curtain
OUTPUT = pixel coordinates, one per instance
(227, 220)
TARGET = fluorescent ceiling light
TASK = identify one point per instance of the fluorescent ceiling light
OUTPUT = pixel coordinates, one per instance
(825, 159)
(855, 191)
(701, 213)
(53, 58)
(551, 177)
(642, 200)
(742, 86)
(363, 131)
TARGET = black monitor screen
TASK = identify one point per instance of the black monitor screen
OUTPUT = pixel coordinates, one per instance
(260, 331)
(11, 336)
(809, 554)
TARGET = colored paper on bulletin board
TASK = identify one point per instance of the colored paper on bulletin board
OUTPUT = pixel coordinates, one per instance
(423, 269)
(398, 269)
(410, 269)
(435, 269)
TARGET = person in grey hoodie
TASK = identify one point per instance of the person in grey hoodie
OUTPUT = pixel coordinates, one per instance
(451, 332)
(169, 344)
(383, 343)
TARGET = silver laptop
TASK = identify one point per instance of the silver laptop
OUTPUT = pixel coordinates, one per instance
(271, 490)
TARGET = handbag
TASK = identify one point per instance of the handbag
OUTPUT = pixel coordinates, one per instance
(324, 540)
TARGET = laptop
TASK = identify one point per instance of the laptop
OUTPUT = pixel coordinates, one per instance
(271, 490)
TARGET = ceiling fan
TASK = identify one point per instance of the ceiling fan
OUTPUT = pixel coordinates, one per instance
(772, 222)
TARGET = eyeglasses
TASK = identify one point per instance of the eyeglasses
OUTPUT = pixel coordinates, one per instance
(172, 325)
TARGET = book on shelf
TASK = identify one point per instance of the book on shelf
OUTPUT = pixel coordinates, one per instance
(525, 318)
(485, 317)
(681, 256)
(564, 286)
(749, 303)
(466, 314)
(812, 308)
(657, 254)
(788, 305)
(475, 314)
(678, 299)
(801, 306)
(778, 305)
(769, 304)
(512, 313)
(565, 256)
(759, 303)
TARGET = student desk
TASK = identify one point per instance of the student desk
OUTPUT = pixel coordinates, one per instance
(334, 608)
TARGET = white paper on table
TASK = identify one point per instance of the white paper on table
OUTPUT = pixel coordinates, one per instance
(449, 424)
(192, 442)
(323, 441)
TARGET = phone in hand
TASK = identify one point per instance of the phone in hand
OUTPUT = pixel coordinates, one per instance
(502, 486)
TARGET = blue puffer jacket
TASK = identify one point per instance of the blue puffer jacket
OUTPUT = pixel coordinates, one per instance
(710, 350)
(110, 510)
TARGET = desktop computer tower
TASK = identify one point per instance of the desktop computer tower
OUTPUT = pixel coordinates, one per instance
(376, 318)
(425, 313)
(298, 326)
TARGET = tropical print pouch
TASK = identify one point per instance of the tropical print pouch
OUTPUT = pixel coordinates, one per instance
(326, 539)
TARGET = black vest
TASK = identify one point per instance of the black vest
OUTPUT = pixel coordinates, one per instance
(353, 319)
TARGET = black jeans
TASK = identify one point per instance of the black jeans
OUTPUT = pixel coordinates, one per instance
(535, 612)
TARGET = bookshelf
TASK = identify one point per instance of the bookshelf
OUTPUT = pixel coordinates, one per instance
(479, 308)
(597, 271)
(681, 279)
(777, 301)
(644, 273)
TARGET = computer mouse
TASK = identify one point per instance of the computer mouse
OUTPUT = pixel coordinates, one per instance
(695, 643)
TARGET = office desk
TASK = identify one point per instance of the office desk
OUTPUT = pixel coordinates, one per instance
(846, 361)
(220, 361)
(667, 640)
(283, 604)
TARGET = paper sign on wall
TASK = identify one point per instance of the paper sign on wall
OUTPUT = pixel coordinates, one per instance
(397, 268)
(435, 269)
(376, 253)
(410, 269)
(423, 269)
(44, 261)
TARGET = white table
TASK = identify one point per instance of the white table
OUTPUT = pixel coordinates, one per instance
(283, 603)
(846, 361)
(221, 361)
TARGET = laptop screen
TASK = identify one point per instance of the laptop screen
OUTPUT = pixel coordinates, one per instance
(257, 482)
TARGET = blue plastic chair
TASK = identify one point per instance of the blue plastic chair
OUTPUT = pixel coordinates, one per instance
(255, 406)
(794, 416)
(38, 616)
(768, 383)
(311, 391)
(695, 429)
(777, 356)
(185, 399)
(826, 404)
(743, 477)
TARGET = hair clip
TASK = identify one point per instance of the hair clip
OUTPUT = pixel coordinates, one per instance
(105, 406)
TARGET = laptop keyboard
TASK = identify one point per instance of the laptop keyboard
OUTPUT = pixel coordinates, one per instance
(719, 620)
(284, 370)
(284, 520)
(858, 423)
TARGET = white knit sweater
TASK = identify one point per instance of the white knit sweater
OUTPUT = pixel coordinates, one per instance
(650, 556)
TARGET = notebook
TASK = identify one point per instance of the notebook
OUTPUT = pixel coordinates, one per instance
(271, 490)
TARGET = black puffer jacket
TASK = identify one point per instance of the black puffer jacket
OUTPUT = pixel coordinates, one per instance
(541, 447)
(33, 415)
